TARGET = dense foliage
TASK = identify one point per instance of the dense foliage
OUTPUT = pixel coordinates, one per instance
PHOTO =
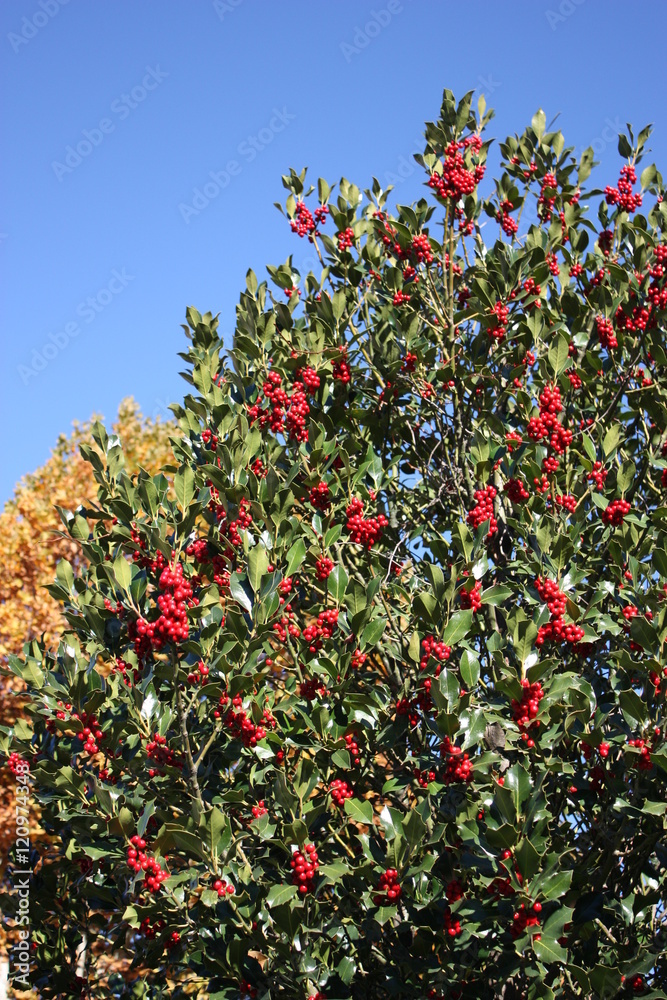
(32, 541)
(373, 704)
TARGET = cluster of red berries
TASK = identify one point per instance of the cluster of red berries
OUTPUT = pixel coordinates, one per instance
(554, 266)
(324, 566)
(259, 810)
(91, 735)
(556, 629)
(456, 180)
(458, 766)
(575, 380)
(567, 501)
(285, 413)
(432, 647)
(303, 222)
(358, 659)
(501, 886)
(418, 250)
(340, 790)
(327, 622)
(304, 867)
(424, 777)
(545, 202)
(526, 710)
(531, 288)
(389, 888)
(547, 424)
(410, 707)
(559, 631)
(312, 688)
(526, 917)
(516, 491)
(509, 225)
(150, 929)
(471, 598)
(320, 497)
(285, 587)
(199, 673)
(605, 332)
(552, 596)
(352, 748)
(199, 550)
(483, 510)
(499, 328)
(310, 378)
(345, 238)
(363, 531)
(454, 890)
(286, 626)
(598, 475)
(452, 924)
(390, 391)
(587, 749)
(615, 513)
(209, 438)
(408, 363)
(622, 195)
(202, 552)
(240, 725)
(644, 763)
(158, 751)
(138, 860)
(222, 887)
(341, 371)
(140, 555)
(513, 438)
(172, 625)
(17, 764)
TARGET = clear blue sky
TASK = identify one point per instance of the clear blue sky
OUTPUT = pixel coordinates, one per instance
(101, 249)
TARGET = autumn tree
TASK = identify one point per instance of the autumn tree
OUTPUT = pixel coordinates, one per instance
(372, 705)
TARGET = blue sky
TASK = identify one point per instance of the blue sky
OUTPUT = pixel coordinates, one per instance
(116, 113)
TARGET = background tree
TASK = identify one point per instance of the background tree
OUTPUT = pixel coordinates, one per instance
(372, 705)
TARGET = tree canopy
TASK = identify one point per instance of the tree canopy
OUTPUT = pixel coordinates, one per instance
(362, 695)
